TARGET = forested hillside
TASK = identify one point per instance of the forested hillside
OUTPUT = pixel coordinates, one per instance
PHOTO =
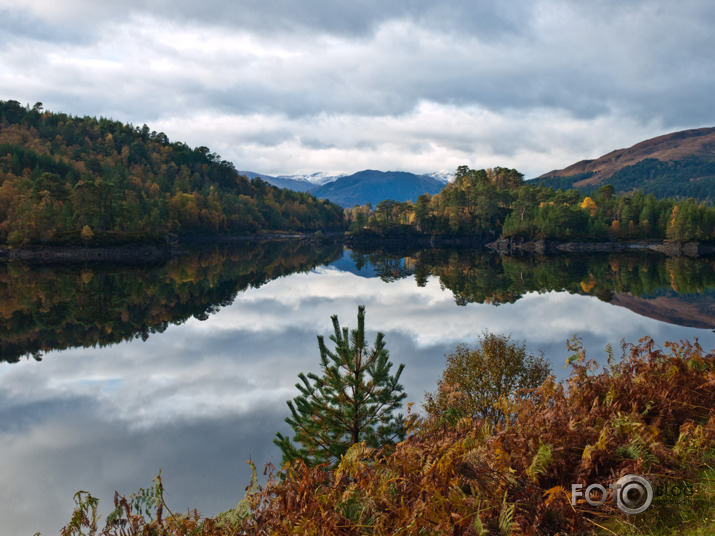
(498, 202)
(66, 179)
(679, 165)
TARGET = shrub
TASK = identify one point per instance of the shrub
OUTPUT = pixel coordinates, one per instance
(478, 381)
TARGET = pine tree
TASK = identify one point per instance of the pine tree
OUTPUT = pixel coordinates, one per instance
(352, 401)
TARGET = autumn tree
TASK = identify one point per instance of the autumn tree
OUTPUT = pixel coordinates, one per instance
(353, 400)
(477, 378)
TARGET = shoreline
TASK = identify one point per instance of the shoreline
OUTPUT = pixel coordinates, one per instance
(153, 252)
(520, 246)
(132, 252)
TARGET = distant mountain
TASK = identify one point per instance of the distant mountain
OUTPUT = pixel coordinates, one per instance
(298, 185)
(347, 264)
(372, 186)
(367, 186)
(680, 164)
(318, 178)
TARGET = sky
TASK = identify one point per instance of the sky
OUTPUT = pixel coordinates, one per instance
(293, 87)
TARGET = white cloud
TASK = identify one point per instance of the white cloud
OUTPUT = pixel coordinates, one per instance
(531, 142)
(339, 88)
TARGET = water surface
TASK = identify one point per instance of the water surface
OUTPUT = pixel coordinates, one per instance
(186, 365)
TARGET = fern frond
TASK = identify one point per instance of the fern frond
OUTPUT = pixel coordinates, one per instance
(540, 463)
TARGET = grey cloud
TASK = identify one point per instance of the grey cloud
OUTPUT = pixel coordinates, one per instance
(357, 19)
(21, 25)
(354, 19)
(17, 417)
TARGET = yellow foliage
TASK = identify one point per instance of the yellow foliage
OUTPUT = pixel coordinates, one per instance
(602, 442)
(587, 287)
(86, 276)
(87, 233)
(551, 494)
(590, 205)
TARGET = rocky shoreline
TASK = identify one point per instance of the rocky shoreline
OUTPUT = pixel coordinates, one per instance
(520, 246)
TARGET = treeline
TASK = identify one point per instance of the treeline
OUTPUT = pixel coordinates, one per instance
(498, 202)
(66, 179)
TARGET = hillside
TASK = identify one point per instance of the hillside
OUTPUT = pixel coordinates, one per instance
(372, 186)
(83, 180)
(680, 164)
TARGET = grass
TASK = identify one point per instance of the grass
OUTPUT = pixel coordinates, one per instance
(685, 516)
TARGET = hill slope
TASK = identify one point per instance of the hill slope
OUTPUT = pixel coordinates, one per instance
(680, 164)
(66, 179)
(372, 186)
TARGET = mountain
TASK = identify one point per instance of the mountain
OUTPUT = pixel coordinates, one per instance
(372, 186)
(319, 178)
(680, 164)
(298, 185)
(367, 186)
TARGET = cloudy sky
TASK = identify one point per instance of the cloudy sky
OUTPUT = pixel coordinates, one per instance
(287, 86)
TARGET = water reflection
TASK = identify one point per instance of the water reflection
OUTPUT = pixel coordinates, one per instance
(233, 328)
(46, 308)
(676, 290)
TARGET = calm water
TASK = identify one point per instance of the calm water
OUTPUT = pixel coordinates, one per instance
(186, 366)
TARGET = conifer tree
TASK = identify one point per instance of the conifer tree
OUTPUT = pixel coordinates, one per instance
(352, 401)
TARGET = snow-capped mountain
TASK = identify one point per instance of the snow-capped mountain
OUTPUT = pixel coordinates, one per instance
(442, 175)
(368, 186)
(318, 178)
